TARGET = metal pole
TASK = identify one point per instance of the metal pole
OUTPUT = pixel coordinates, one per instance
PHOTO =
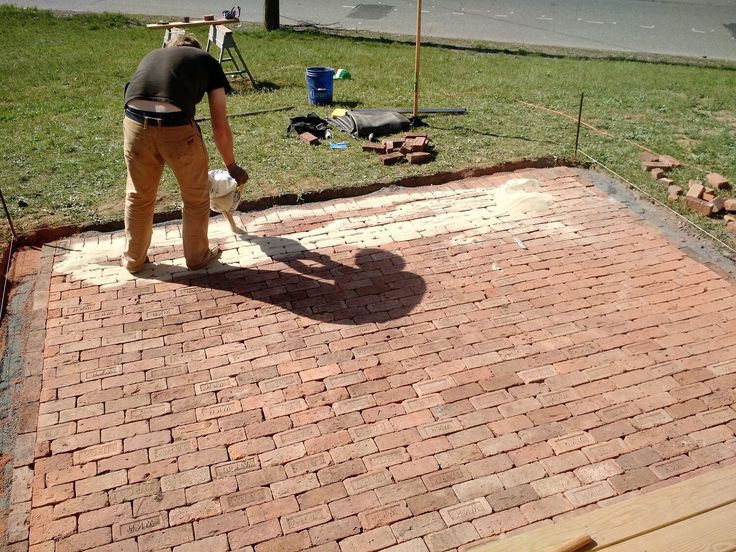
(415, 114)
(6, 279)
(580, 117)
(7, 214)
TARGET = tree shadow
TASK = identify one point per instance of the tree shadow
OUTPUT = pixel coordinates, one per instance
(373, 288)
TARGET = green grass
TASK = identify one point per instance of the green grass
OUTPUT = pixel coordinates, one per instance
(61, 110)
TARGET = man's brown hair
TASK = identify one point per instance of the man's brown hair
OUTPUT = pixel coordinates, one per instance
(185, 40)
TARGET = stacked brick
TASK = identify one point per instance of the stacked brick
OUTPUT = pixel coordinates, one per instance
(699, 198)
(412, 148)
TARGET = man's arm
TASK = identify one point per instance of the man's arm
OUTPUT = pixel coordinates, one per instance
(223, 135)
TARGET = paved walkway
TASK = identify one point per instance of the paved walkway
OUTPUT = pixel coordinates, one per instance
(414, 370)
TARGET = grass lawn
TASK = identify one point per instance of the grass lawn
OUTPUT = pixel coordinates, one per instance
(61, 111)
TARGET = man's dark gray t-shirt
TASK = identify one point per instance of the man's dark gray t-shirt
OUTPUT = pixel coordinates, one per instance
(180, 75)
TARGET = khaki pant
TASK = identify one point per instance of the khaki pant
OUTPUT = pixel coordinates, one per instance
(147, 148)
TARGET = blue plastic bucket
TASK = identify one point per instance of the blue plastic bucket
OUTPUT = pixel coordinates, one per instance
(319, 85)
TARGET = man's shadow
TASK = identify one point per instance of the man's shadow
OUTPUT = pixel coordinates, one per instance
(373, 288)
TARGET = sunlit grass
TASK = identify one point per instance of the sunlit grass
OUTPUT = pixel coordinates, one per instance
(61, 110)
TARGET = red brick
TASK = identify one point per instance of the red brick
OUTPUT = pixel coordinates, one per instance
(510, 498)
(368, 541)
(634, 479)
(598, 472)
(432, 501)
(101, 483)
(384, 515)
(254, 534)
(673, 467)
(589, 494)
(500, 522)
(334, 531)
(451, 537)
(218, 525)
(305, 519)
(164, 538)
(212, 544)
(555, 484)
(546, 507)
(104, 517)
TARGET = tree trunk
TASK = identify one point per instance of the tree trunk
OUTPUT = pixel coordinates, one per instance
(271, 14)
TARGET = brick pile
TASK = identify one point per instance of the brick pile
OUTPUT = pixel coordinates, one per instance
(413, 147)
(699, 198)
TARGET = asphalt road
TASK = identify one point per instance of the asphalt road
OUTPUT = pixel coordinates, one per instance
(694, 28)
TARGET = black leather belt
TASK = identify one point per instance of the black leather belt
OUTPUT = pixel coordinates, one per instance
(178, 118)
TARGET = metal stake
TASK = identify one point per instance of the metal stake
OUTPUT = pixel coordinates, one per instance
(580, 116)
(7, 214)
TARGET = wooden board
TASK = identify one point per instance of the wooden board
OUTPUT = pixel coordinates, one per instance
(714, 530)
(197, 23)
(630, 519)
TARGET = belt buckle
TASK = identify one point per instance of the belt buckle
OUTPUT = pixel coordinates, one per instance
(158, 121)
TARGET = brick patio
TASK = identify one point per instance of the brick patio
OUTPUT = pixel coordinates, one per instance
(419, 369)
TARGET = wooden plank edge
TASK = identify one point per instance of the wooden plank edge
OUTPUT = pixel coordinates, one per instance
(197, 23)
(707, 490)
(704, 531)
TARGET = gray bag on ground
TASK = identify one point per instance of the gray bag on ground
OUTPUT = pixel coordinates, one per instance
(362, 125)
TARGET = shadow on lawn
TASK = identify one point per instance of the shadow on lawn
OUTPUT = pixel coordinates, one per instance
(374, 288)
(459, 128)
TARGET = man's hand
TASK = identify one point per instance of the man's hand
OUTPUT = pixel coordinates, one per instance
(238, 173)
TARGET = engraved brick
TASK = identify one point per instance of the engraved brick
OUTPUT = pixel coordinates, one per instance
(308, 464)
(244, 499)
(443, 427)
(716, 417)
(101, 373)
(214, 385)
(384, 515)
(147, 412)
(282, 382)
(134, 491)
(465, 511)
(218, 410)
(140, 526)
(446, 477)
(353, 405)
(422, 403)
(305, 519)
(560, 396)
(590, 494)
(368, 481)
(571, 441)
(386, 458)
(56, 431)
(361, 433)
(98, 452)
(228, 469)
(604, 451)
(173, 450)
(673, 466)
(185, 479)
